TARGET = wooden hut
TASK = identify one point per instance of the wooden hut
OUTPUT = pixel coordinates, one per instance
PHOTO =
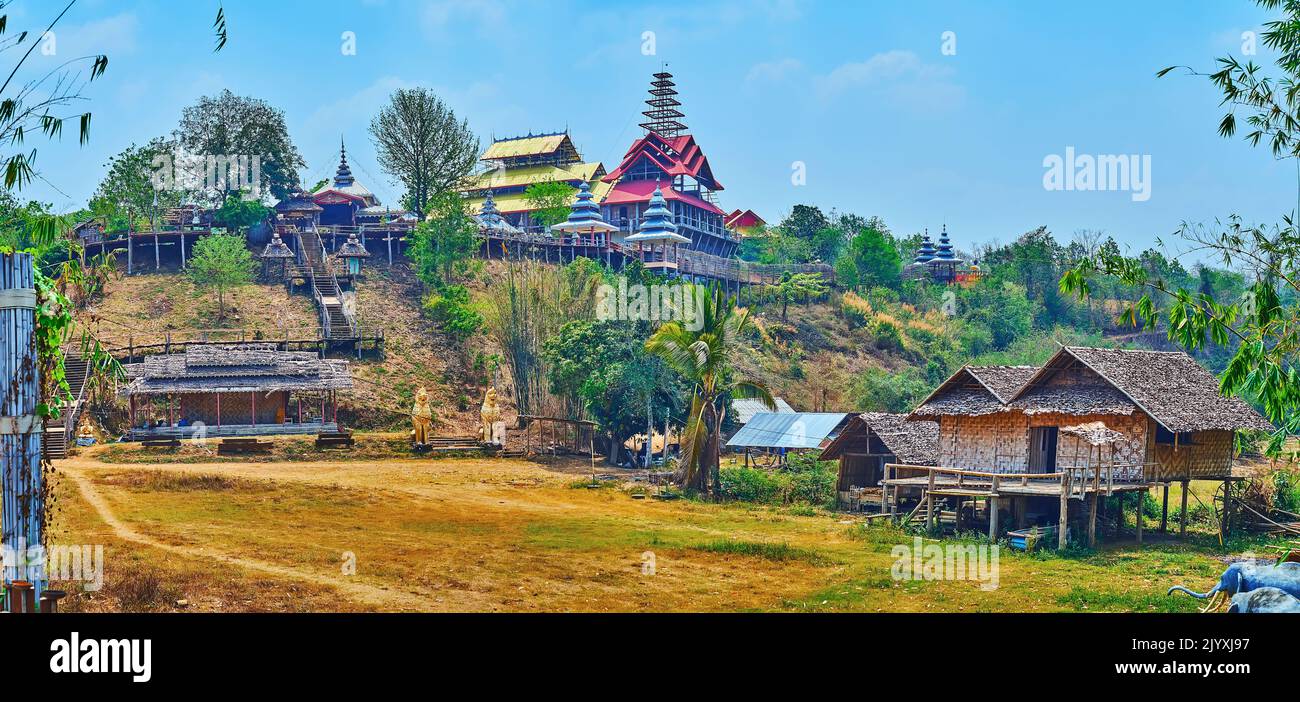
(1090, 422)
(234, 390)
(871, 440)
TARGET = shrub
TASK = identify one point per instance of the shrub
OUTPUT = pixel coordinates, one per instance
(750, 485)
(888, 337)
(449, 307)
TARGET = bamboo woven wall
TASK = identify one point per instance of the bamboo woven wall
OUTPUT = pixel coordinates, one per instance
(1000, 442)
(236, 408)
(1209, 456)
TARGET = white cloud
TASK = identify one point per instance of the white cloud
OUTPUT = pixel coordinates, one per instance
(111, 35)
(899, 76)
(773, 71)
(438, 17)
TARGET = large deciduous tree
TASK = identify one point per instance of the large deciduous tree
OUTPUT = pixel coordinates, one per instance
(419, 141)
(227, 126)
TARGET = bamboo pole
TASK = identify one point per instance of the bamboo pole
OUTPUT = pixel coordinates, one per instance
(1182, 517)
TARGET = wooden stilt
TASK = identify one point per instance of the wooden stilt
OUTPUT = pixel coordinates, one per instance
(1092, 520)
(1164, 510)
(1182, 516)
(1139, 516)
(1065, 514)
(1227, 509)
(993, 519)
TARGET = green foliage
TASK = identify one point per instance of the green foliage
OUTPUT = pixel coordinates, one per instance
(1001, 308)
(126, 196)
(803, 222)
(449, 307)
(221, 262)
(230, 125)
(870, 260)
(806, 481)
(881, 390)
(797, 287)
(550, 201)
(444, 245)
(238, 214)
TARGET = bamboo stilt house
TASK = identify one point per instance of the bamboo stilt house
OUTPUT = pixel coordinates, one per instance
(1174, 422)
(227, 390)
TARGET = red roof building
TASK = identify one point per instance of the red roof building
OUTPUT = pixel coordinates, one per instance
(744, 221)
(672, 160)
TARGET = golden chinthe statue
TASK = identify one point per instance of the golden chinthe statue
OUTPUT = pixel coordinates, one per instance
(493, 429)
(421, 418)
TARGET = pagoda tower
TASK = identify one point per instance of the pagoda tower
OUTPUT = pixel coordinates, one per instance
(658, 230)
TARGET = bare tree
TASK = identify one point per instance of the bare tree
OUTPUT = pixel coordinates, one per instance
(419, 142)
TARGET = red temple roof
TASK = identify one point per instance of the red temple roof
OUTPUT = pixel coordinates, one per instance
(640, 191)
(678, 156)
(744, 219)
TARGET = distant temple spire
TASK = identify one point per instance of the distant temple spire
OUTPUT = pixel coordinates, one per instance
(343, 178)
(926, 252)
(945, 252)
(663, 115)
(657, 222)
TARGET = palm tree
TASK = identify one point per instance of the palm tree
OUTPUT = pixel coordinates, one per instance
(703, 357)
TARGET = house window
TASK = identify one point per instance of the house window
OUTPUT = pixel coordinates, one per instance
(1164, 436)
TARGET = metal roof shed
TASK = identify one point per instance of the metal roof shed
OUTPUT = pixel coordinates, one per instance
(783, 430)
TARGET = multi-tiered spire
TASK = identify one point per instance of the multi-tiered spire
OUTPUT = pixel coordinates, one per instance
(926, 253)
(490, 219)
(945, 253)
(663, 115)
(343, 178)
(657, 223)
(584, 216)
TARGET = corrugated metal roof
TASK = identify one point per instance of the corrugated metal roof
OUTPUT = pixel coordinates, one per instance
(801, 430)
(744, 409)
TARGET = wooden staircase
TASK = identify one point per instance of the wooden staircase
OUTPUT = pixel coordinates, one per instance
(59, 432)
(335, 321)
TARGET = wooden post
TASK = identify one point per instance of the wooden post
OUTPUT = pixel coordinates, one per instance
(1164, 510)
(1092, 519)
(929, 504)
(1065, 511)
(252, 398)
(20, 428)
(182, 250)
(1182, 517)
(884, 489)
(993, 518)
(1142, 497)
(218, 410)
(1227, 509)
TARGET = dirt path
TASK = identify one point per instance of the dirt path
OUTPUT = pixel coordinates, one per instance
(380, 597)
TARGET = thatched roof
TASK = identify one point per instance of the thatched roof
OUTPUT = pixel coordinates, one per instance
(916, 443)
(235, 368)
(913, 442)
(1079, 400)
(1170, 387)
(975, 390)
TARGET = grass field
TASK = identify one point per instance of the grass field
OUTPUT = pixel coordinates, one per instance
(475, 534)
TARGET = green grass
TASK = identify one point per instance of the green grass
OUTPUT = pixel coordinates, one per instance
(1084, 600)
(778, 552)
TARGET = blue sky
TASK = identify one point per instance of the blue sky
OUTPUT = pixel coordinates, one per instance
(861, 93)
